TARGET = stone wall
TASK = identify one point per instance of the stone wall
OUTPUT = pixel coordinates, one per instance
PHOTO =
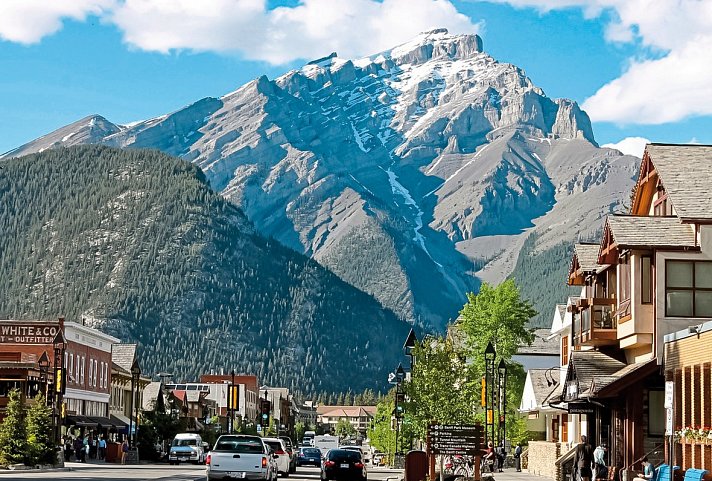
(542, 458)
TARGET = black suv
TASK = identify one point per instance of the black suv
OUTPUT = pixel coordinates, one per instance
(343, 464)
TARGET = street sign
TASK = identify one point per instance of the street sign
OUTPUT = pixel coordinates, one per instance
(259, 428)
(668, 422)
(465, 440)
(669, 392)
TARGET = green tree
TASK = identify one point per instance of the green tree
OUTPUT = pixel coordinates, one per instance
(381, 434)
(300, 429)
(344, 428)
(40, 445)
(497, 315)
(13, 432)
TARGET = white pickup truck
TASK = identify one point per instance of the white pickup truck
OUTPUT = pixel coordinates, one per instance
(241, 457)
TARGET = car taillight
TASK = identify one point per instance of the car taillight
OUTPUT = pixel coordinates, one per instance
(264, 462)
(329, 464)
(358, 465)
(207, 460)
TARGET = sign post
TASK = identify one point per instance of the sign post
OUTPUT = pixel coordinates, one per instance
(669, 424)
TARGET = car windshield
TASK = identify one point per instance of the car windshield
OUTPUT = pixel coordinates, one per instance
(184, 442)
(239, 444)
(275, 445)
(344, 455)
(312, 451)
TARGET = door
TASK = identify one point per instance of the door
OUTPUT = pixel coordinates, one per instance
(564, 428)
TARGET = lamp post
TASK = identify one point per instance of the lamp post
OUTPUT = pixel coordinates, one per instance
(400, 376)
(135, 373)
(502, 384)
(60, 345)
(231, 403)
(490, 354)
(43, 364)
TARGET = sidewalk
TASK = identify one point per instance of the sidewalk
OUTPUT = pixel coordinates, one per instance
(512, 475)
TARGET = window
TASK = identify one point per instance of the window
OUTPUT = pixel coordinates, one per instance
(76, 378)
(564, 350)
(95, 369)
(624, 270)
(81, 374)
(646, 276)
(688, 288)
(91, 366)
(101, 374)
(656, 413)
(106, 374)
(71, 366)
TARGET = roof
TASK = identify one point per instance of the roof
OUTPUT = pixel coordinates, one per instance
(640, 231)
(542, 388)
(686, 173)
(593, 370)
(150, 395)
(346, 411)
(542, 345)
(621, 379)
(587, 255)
(561, 308)
(123, 355)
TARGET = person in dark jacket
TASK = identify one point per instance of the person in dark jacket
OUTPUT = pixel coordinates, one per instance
(518, 457)
(583, 460)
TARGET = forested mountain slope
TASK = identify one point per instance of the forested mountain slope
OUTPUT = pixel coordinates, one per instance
(136, 243)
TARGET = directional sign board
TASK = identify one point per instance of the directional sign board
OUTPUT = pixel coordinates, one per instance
(465, 440)
(669, 393)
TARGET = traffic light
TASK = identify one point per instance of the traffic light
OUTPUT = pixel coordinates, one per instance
(264, 408)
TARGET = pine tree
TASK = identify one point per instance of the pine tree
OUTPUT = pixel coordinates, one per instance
(40, 446)
(13, 432)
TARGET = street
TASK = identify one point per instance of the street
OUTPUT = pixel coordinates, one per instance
(113, 472)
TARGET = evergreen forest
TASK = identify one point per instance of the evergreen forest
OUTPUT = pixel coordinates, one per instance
(136, 243)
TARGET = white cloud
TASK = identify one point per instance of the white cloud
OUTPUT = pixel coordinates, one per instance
(674, 84)
(311, 29)
(28, 21)
(630, 146)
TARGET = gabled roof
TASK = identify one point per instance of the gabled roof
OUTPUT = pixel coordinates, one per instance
(686, 174)
(123, 355)
(542, 389)
(346, 411)
(587, 255)
(150, 395)
(541, 346)
(627, 231)
(561, 309)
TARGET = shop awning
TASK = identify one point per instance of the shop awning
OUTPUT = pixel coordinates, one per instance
(625, 377)
(81, 421)
(102, 421)
(119, 421)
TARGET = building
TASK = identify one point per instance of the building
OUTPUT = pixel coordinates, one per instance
(280, 406)
(123, 357)
(543, 352)
(304, 413)
(360, 417)
(688, 364)
(217, 385)
(650, 276)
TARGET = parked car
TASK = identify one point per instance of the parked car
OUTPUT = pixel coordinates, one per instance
(186, 447)
(242, 457)
(292, 450)
(279, 450)
(343, 464)
(309, 457)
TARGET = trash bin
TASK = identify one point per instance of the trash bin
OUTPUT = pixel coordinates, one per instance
(416, 466)
(695, 474)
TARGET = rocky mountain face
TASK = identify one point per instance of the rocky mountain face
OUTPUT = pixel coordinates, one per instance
(413, 174)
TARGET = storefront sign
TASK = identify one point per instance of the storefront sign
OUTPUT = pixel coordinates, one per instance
(581, 408)
(669, 391)
(27, 333)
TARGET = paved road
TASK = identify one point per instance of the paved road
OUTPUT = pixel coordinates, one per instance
(162, 472)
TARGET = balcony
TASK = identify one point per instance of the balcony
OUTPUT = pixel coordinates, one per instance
(596, 324)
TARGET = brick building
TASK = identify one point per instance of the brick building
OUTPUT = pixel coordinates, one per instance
(689, 364)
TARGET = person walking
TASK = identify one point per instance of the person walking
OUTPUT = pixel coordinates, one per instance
(518, 457)
(489, 457)
(583, 460)
(600, 470)
(78, 448)
(85, 448)
(102, 448)
(67, 449)
(501, 455)
(124, 450)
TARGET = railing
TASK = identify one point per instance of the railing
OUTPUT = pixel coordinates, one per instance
(596, 323)
(565, 465)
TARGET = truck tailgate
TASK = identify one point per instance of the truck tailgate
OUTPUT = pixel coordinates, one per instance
(237, 464)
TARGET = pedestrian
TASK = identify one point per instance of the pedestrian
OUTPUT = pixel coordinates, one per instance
(501, 455)
(78, 449)
(489, 457)
(85, 448)
(67, 448)
(583, 460)
(518, 457)
(92, 447)
(124, 450)
(600, 470)
(648, 469)
(102, 448)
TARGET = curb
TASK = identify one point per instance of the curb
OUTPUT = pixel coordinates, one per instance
(19, 472)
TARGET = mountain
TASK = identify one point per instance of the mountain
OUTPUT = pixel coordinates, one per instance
(413, 174)
(136, 243)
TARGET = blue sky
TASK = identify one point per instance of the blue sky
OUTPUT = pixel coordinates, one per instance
(638, 73)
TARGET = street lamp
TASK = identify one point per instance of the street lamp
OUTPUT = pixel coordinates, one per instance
(60, 345)
(135, 373)
(490, 355)
(43, 363)
(550, 380)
